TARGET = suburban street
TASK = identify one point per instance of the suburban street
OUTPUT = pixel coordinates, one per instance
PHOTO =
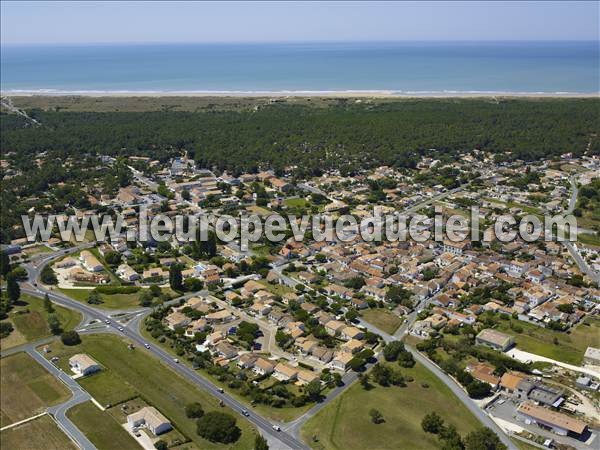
(131, 330)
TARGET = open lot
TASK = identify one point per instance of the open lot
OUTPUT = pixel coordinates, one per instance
(27, 389)
(101, 428)
(112, 301)
(571, 346)
(158, 385)
(345, 423)
(41, 433)
(382, 318)
(107, 387)
(30, 320)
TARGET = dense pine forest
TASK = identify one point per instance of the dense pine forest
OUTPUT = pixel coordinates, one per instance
(348, 135)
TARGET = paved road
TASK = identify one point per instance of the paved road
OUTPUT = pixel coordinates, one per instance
(278, 440)
(59, 411)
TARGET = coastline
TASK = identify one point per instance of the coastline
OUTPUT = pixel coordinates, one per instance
(299, 93)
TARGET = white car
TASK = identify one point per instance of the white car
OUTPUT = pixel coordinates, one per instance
(276, 427)
(121, 329)
(147, 345)
(176, 360)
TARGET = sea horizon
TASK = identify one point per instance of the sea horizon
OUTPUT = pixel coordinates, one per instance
(388, 68)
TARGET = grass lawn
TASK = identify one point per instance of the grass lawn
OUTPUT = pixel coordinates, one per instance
(101, 428)
(296, 202)
(538, 340)
(42, 432)
(107, 387)
(30, 320)
(27, 388)
(112, 301)
(345, 423)
(158, 385)
(382, 318)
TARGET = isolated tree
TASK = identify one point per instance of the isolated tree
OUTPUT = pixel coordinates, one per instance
(70, 338)
(432, 423)
(94, 298)
(406, 359)
(392, 350)
(175, 277)
(483, 439)
(161, 445)
(47, 276)
(13, 291)
(5, 329)
(194, 410)
(48, 304)
(313, 390)
(478, 389)
(146, 297)
(216, 426)
(376, 416)
(4, 263)
(112, 258)
(54, 324)
(451, 439)
(260, 443)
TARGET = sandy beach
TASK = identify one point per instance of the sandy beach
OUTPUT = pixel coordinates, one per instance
(284, 94)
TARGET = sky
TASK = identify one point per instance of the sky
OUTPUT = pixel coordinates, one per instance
(83, 22)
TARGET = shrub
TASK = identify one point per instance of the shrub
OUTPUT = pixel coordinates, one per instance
(70, 338)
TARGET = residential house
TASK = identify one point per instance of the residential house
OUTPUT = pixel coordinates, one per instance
(150, 418)
(82, 364)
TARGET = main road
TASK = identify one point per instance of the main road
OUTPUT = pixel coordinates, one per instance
(277, 439)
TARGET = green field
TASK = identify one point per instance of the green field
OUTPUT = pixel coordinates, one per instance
(107, 388)
(112, 301)
(296, 202)
(101, 428)
(40, 433)
(539, 340)
(158, 385)
(30, 320)
(27, 389)
(345, 423)
(589, 239)
(382, 318)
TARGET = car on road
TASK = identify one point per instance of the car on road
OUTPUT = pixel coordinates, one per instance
(176, 360)
(147, 345)
(276, 427)
(245, 412)
(220, 390)
(107, 322)
(35, 284)
(121, 329)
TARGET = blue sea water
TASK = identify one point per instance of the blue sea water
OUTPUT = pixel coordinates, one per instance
(407, 67)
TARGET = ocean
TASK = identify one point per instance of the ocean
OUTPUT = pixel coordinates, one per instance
(396, 67)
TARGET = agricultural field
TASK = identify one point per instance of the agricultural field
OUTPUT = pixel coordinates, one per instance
(27, 389)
